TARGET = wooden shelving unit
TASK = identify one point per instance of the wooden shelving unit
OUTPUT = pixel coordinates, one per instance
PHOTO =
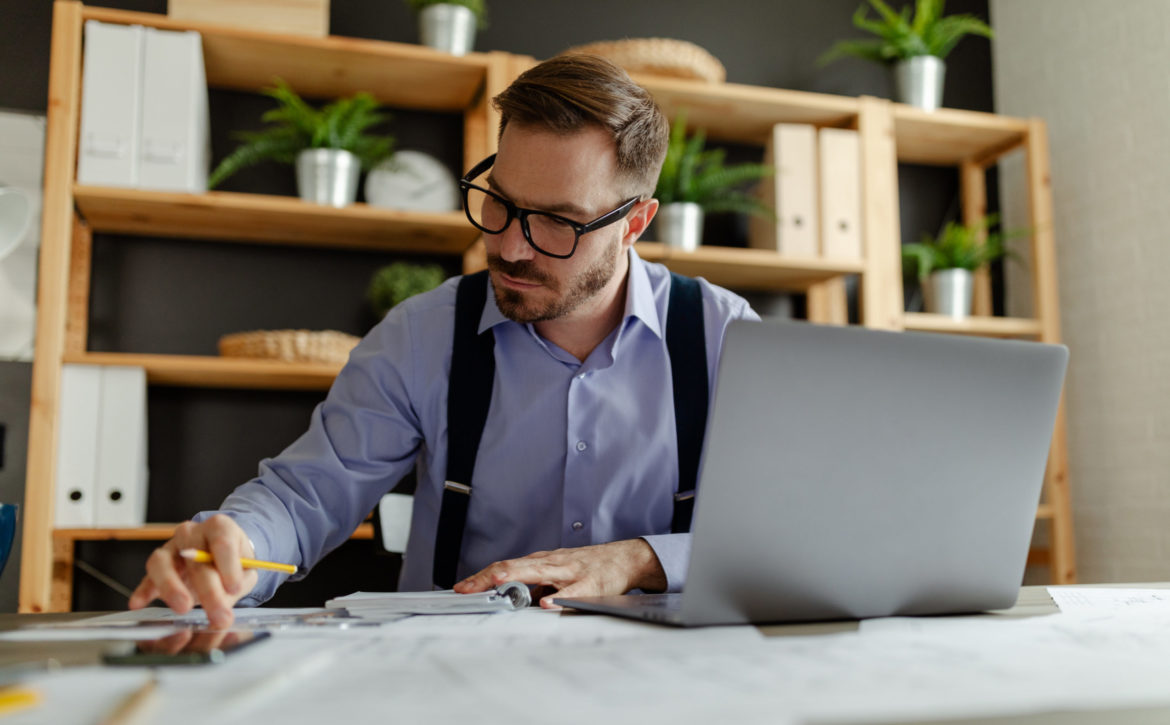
(756, 269)
(982, 326)
(409, 76)
(234, 217)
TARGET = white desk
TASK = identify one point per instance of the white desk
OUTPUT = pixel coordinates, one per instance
(540, 667)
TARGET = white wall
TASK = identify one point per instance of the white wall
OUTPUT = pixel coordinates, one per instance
(1099, 74)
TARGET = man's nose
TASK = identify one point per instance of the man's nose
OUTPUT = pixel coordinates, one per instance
(513, 245)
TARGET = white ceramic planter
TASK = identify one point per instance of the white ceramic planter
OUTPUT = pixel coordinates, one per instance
(328, 176)
(918, 81)
(680, 225)
(948, 292)
(447, 27)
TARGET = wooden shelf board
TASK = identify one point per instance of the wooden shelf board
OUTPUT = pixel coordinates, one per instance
(1045, 511)
(949, 136)
(231, 216)
(398, 74)
(206, 371)
(746, 114)
(755, 269)
(982, 326)
(156, 532)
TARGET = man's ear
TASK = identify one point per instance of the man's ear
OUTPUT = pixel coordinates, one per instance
(639, 219)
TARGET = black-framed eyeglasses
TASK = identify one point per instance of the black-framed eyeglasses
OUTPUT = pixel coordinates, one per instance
(548, 233)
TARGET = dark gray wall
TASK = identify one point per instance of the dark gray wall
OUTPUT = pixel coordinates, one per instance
(154, 295)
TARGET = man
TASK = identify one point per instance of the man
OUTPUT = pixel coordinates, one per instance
(577, 467)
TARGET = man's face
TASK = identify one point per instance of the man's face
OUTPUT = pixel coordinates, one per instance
(570, 175)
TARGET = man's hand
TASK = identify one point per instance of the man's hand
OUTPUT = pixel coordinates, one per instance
(613, 568)
(182, 584)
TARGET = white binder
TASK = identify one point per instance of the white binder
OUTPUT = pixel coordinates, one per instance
(175, 150)
(840, 157)
(110, 105)
(77, 436)
(792, 192)
(120, 498)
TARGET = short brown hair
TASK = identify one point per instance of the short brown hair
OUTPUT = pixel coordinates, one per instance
(568, 93)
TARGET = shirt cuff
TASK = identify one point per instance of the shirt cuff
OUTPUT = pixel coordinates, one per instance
(674, 553)
(268, 581)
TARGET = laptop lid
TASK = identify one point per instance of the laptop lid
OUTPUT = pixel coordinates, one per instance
(854, 473)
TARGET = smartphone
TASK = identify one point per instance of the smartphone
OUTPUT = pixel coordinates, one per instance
(187, 647)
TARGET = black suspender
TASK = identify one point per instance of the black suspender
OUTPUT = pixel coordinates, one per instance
(469, 395)
(686, 343)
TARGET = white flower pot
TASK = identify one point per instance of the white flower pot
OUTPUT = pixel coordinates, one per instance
(918, 81)
(948, 292)
(680, 225)
(447, 27)
(328, 176)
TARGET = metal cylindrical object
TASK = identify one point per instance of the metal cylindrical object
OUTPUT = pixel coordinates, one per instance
(680, 225)
(447, 27)
(918, 81)
(328, 176)
(949, 292)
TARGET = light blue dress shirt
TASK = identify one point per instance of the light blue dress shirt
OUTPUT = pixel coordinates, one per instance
(573, 453)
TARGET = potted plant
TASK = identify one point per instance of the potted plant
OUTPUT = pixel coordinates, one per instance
(449, 25)
(329, 147)
(694, 181)
(913, 45)
(396, 282)
(945, 265)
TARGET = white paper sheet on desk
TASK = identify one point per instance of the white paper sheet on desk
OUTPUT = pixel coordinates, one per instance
(1096, 600)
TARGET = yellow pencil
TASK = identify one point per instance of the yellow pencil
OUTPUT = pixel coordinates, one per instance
(202, 557)
(14, 698)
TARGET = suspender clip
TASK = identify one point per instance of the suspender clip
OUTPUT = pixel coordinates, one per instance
(454, 487)
(684, 496)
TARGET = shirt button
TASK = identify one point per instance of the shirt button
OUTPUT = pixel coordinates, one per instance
(582, 445)
(581, 376)
(577, 526)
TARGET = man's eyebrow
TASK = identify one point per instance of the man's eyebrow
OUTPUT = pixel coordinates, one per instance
(559, 208)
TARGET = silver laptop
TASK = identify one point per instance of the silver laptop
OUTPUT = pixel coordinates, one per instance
(852, 473)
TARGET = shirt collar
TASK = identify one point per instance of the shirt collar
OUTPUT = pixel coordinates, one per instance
(639, 300)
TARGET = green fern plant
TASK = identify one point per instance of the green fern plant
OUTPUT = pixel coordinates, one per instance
(696, 174)
(297, 126)
(958, 247)
(904, 35)
(478, 7)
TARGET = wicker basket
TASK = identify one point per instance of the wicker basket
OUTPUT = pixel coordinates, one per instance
(659, 56)
(306, 346)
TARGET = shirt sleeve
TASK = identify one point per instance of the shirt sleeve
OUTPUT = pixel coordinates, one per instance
(361, 440)
(721, 307)
(674, 553)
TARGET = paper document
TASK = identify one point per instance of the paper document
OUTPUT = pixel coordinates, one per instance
(372, 605)
(1094, 600)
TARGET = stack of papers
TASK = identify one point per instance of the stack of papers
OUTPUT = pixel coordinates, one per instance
(379, 605)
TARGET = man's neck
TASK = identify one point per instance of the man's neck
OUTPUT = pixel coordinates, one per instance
(583, 329)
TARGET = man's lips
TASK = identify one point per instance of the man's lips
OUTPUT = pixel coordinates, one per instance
(517, 283)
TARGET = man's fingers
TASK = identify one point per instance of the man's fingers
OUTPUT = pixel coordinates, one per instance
(208, 586)
(225, 552)
(576, 589)
(144, 594)
(167, 582)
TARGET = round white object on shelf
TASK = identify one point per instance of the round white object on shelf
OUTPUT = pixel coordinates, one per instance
(414, 181)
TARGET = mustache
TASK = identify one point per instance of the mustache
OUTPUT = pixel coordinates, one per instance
(524, 269)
